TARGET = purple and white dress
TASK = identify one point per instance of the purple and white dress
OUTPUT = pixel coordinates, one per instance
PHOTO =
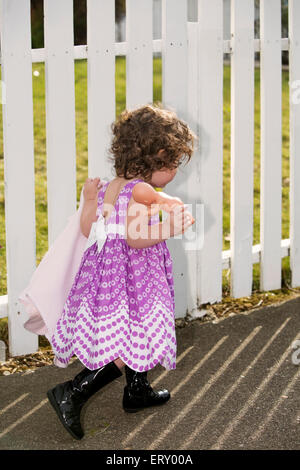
(121, 303)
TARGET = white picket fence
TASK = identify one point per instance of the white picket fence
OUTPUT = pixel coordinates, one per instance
(192, 64)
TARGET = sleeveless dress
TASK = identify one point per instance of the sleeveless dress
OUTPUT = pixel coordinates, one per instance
(121, 303)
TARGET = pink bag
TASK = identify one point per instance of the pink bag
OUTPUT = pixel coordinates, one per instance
(50, 284)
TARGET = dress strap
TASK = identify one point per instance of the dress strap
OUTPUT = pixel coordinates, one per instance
(116, 221)
(101, 197)
(123, 201)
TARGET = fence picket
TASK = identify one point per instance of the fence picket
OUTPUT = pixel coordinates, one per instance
(270, 156)
(101, 84)
(242, 146)
(16, 70)
(210, 166)
(294, 74)
(174, 97)
(60, 114)
(139, 57)
(192, 174)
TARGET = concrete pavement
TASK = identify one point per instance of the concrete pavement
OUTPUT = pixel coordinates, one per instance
(235, 387)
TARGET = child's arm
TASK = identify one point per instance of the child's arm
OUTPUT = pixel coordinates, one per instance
(88, 216)
(141, 235)
(156, 234)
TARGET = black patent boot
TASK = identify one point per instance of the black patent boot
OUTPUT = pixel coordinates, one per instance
(138, 393)
(69, 397)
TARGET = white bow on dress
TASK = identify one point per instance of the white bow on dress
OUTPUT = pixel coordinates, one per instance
(98, 233)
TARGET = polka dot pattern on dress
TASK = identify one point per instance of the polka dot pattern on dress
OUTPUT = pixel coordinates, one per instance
(121, 303)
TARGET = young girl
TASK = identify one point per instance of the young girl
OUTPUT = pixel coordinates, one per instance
(120, 310)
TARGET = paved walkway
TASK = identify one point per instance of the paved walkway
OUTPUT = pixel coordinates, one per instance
(235, 387)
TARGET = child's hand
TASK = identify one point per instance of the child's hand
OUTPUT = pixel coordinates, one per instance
(178, 221)
(169, 205)
(165, 206)
(91, 188)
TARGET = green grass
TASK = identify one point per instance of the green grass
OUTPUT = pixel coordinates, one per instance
(82, 156)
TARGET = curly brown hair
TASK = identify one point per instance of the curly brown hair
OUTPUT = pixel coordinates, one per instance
(139, 135)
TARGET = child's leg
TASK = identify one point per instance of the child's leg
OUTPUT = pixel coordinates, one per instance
(138, 392)
(69, 397)
(119, 363)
